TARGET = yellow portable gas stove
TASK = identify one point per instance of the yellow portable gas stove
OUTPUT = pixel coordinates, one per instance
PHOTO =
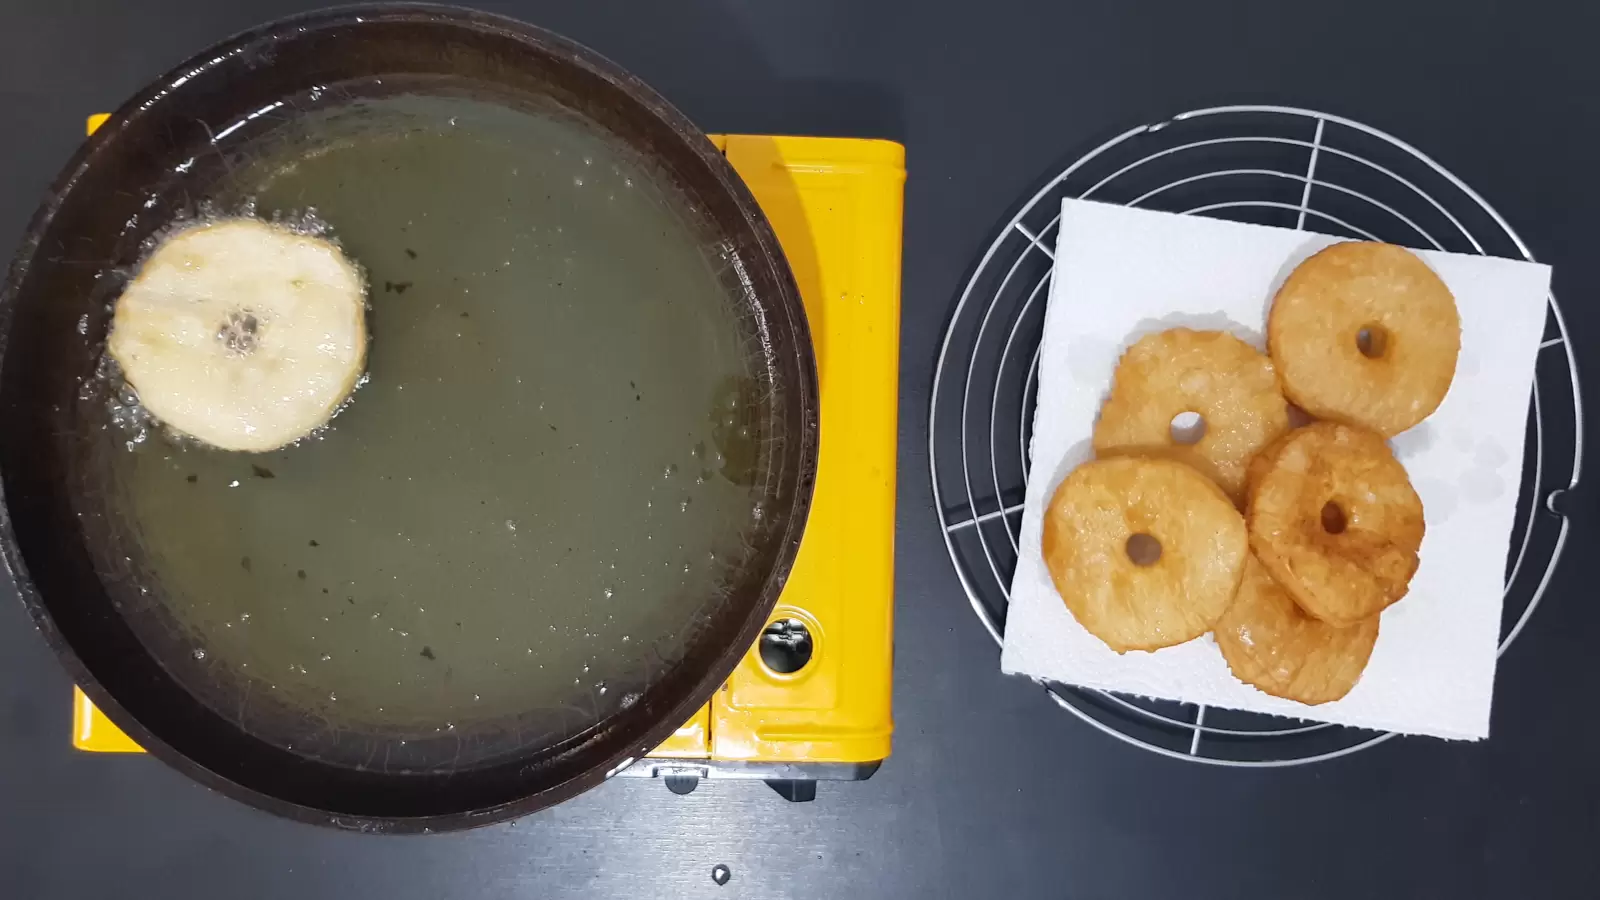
(811, 701)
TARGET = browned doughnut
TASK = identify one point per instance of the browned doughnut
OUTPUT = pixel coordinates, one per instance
(1228, 383)
(1334, 518)
(1099, 528)
(1271, 643)
(1365, 334)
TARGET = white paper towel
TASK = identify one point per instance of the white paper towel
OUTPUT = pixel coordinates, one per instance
(1121, 273)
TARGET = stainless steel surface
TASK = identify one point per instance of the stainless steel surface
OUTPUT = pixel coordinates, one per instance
(758, 771)
(1227, 162)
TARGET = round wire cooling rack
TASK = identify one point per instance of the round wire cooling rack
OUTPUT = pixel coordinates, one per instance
(1268, 165)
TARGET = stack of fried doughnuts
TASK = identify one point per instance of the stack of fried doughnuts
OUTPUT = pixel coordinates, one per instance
(1147, 545)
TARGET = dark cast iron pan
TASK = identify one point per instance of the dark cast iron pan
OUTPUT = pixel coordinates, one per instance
(53, 317)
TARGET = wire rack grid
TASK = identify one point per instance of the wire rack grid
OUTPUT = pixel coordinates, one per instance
(1269, 165)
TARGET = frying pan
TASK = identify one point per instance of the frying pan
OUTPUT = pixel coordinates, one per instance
(115, 194)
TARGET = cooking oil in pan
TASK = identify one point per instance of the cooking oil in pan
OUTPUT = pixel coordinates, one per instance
(539, 492)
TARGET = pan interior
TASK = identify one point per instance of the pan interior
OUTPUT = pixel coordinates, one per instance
(547, 485)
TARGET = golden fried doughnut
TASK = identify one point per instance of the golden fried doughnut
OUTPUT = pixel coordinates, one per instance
(1335, 520)
(1231, 385)
(1146, 553)
(1271, 643)
(1366, 334)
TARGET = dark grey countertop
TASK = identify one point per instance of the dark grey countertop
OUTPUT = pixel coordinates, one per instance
(991, 791)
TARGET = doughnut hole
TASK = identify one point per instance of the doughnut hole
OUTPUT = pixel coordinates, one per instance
(1188, 428)
(1333, 518)
(1143, 549)
(1372, 340)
